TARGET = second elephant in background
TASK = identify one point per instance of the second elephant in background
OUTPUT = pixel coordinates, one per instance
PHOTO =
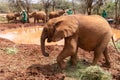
(55, 14)
(12, 16)
(38, 15)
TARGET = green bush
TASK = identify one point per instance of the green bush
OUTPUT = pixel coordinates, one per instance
(76, 71)
(2, 19)
(83, 71)
(95, 73)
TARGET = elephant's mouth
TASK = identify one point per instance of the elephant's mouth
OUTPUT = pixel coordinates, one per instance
(49, 40)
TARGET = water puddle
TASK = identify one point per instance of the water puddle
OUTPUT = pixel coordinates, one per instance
(116, 34)
(29, 35)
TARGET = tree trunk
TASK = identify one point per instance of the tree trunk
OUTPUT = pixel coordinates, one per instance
(73, 4)
(53, 6)
(89, 6)
(116, 13)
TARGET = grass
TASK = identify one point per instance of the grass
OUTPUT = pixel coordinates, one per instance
(2, 19)
(11, 50)
(95, 73)
(118, 45)
(83, 71)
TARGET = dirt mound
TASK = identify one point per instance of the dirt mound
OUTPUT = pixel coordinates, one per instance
(3, 42)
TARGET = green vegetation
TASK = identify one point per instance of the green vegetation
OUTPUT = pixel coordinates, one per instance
(95, 73)
(118, 45)
(2, 19)
(11, 50)
(110, 9)
(83, 71)
(79, 6)
(4, 7)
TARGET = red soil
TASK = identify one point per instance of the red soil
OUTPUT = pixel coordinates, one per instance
(30, 64)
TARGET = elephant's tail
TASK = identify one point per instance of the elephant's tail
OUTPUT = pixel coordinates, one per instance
(115, 45)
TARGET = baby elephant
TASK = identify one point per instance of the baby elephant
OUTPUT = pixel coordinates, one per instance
(12, 16)
(91, 33)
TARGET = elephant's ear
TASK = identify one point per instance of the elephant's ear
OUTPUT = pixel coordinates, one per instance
(63, 29)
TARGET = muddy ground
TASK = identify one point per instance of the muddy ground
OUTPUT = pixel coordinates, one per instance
(28, 63)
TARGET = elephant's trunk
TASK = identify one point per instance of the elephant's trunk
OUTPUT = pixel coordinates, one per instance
(43, 37)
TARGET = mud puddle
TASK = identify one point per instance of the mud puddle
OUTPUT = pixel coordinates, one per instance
(26, 35)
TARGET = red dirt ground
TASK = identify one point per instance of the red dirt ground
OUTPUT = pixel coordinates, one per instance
(30, 64)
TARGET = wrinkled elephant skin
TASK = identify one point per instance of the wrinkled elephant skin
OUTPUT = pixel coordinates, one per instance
(91, 33)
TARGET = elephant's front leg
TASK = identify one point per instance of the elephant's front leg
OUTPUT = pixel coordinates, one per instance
(70, 49)
(34, 20)
(37, 20)
(73, 59)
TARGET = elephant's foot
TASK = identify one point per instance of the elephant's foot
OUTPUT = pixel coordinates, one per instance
(62, 65)
(106, 64)
(73, 61)
(94, 63)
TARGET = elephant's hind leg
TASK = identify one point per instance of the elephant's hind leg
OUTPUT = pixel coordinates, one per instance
(35, 20)
(107, 58)
(101, 49)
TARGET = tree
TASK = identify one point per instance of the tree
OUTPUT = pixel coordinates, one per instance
(89, 6)
(20, 4)
(73, 4)
(99, 3)
(53, 5)
(116, 11)
(46, 4)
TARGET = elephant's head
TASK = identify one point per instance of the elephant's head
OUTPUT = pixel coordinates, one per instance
(32, 14)
(57, 29)
(61, 12)
(17, 14)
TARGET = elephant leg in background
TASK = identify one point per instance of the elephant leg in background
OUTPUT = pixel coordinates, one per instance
(101, 49)
(15, 20)
(37, 20)
(107, 58)
(8, 21)
(70, 49)
(44, 20)
(34, 20)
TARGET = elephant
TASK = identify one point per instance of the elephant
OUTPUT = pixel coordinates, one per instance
(55, 14)
(91, 33)
(12, 16)
(39, 15)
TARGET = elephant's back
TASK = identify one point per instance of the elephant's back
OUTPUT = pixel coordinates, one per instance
(53, 14)
(92, 30)
(93, 24)
(10, 16)
(40, 14)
